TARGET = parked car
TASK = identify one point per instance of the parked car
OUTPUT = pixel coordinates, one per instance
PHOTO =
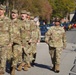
(44, 29)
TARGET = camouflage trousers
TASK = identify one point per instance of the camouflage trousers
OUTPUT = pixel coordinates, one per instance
(33, 51)
(3, 56)
(26, 53)
(33, 48)
(9, 53)
(55, 54)
(17, 54)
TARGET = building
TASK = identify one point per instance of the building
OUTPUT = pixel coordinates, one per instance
(73, 16)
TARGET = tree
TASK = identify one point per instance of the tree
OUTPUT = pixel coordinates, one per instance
(2, 1)
(36, 7)
(63, 7)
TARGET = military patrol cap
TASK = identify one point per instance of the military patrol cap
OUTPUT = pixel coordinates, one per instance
(28, 13)
(23, 12)
(57, 20)
(14, 11)
(2, 7)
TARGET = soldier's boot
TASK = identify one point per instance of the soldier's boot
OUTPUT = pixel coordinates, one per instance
(13, 70)
(20, 66)
(28, 65)
(53, 68)
(25, 67)
(1, 74)
(57, 69)
(33, 61)
(1, 71)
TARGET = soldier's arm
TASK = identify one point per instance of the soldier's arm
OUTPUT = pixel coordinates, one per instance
(31, 29)
(47, 36)
(8, 21)
(10, 34)
(39, 35)
(64, 40)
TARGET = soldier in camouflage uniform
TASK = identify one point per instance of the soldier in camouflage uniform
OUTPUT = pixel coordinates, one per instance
(4, 38)
(16, 28)
(56, 39)
(26, 33)
(35, 38)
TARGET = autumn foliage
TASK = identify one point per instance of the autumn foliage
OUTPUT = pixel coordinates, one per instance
(43, 8)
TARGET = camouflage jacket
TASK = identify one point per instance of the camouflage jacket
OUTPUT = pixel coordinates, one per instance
(35, 32)
(56, 37)
(26, 31)
(4, 31)
(16, 26)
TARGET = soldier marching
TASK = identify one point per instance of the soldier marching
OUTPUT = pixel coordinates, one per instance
(19, 36)
(56, 39)
(4, 39)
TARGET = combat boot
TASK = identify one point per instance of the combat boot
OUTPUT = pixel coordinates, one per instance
(53, 68)
(57, 69)
(28, 65)
(33, 63)
(25, 67)
(13, 70)
(1, 71)
(1, 74)
(20, 66)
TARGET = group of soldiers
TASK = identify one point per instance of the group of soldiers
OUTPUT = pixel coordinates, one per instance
(19, 36)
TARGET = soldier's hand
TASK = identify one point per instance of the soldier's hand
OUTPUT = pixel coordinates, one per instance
(38, 41)
(22, 46)
(10, 44)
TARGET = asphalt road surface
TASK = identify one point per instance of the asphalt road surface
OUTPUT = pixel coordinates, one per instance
(43, 61)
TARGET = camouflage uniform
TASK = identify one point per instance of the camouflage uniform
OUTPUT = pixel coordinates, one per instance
(56, 39)
(26, 33)
(35, 37)
(16, 41)
(4, 40)
(25, 41)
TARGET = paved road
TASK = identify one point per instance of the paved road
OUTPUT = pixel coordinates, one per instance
(43, 61)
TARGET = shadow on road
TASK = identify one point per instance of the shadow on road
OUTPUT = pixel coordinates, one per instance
(72, 30)
(43, 66)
